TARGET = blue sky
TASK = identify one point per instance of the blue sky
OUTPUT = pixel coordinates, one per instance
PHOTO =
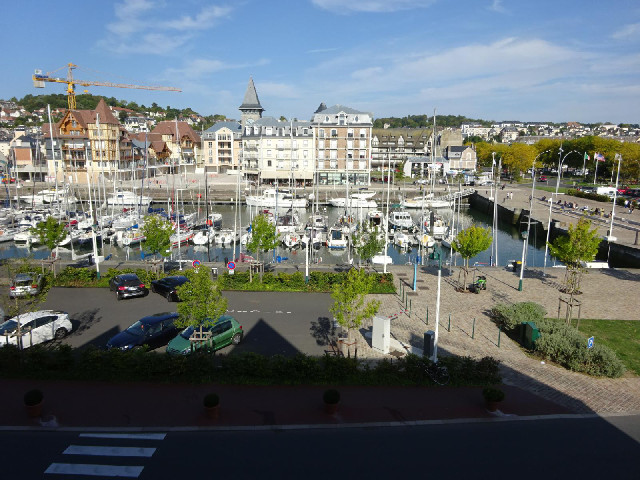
(562, 60)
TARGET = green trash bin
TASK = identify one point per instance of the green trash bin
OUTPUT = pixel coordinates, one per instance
(530, 333)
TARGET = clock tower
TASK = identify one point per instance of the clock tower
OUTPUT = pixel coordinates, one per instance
(250, 108)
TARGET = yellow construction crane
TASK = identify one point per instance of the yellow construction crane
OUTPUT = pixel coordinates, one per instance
(39, 78)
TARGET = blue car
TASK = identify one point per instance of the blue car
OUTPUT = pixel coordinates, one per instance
(153, 331)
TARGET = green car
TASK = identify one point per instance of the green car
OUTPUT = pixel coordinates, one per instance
(225, 331)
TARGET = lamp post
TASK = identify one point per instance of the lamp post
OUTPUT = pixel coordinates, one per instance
(526, 236)
(610, 238)
(546, 244)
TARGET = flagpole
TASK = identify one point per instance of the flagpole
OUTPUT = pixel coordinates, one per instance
(595, 174)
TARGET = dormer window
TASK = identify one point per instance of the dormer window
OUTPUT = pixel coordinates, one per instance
(326, 119)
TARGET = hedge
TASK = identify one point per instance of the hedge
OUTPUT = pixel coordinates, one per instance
(63, 363)
(509, 316)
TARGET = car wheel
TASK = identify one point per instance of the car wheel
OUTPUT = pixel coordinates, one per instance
(169, 297)
(153, 288)
(61, 333)
(237, 338)
(118, 297)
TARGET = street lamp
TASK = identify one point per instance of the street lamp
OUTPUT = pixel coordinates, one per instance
(526, 237)
(546, 244)
(610, 238)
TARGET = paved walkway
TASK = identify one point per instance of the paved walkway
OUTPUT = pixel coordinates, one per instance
(606, 296)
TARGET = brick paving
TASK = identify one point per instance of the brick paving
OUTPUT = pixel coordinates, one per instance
(606, 295)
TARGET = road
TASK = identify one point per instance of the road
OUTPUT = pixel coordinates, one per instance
(542, 448)
(274, 323)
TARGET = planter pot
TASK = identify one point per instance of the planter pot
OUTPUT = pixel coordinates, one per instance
(212, 412)
(331, 408)
(34, 411)
(492, 406)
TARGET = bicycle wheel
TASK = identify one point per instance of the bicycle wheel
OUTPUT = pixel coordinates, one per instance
(440, 375)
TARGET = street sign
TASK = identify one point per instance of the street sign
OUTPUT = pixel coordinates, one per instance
(231, 265)
(590, 342)
(196, 263)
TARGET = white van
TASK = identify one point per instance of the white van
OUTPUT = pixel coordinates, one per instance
(609, 191)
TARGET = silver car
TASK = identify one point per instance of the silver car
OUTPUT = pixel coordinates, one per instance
(26, 284)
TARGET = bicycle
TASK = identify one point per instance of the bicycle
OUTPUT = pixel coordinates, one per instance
(438, 373)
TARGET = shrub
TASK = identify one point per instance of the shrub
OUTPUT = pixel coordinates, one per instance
(492, 394)
(331, 396)
(33, 397)
(566, 346)
(510, 316)
(211, 400)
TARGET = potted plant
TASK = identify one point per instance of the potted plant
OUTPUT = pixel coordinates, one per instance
(211, 404)
(492, 397)
(331, 399)
(33, 402)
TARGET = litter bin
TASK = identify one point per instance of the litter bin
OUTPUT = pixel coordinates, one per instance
(517, 265)
(429, 343)
(530, 333)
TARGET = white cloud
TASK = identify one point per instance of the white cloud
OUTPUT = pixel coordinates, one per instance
(322, 50)
(497, 6)
(371, 6)
(202, 68)
(152, 27)
(628, 31)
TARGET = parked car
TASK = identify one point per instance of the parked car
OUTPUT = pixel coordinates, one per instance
(225, 331)
(167, 287)
(25, 284)
(35, 327)
(154, 331)
(543, 178)
(128, 285)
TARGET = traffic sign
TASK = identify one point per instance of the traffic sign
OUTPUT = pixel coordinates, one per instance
(196, 263)
(590, 342)
(231, 265)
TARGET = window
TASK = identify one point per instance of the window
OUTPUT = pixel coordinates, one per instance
(268, 143)
(326, 119)
(305, 131)
(333, 154)
(295, 144)
(268, 153)
(321, 133)
(350, 144)
(333, 164)
(363, 133)
(269, 131)
(334, 132)
(321, 154)
(350, 133)
(363, 144)
(280, 164)
(305, 163)
(320, 143)
(268, 163)
(305, 143)
(320, 163)
(334, 144)
(305, 153)
(210, 144)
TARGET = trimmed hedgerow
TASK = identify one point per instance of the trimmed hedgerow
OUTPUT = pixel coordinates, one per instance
(566, 346)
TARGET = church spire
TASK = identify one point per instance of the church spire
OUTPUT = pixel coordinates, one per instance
(250, 108)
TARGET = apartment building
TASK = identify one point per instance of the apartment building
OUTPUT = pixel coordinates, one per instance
(343, 145)
(222, 147)
(177, 145)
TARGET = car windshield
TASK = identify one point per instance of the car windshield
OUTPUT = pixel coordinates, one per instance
(136, 329)
(22, 282)
(8, 327)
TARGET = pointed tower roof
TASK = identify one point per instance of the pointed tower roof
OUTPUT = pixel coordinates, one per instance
(251, 101)
(106, 116)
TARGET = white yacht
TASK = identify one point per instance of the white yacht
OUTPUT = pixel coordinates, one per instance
(337, 239)
(127, 199)
(353, 202)
(428, 201)
(399, 219)
(279, 198)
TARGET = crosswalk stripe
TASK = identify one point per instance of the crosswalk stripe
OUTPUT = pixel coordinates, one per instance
(95, 470)
(136, 436)
(109, 451)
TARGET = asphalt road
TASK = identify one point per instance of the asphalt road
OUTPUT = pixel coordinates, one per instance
(274, 323)
(540, 448)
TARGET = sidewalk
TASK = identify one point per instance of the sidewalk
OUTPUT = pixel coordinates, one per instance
(103, 405)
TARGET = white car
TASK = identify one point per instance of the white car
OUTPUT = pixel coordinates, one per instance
(35, 327)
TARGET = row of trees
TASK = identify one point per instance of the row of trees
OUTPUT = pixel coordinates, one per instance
(518, 157)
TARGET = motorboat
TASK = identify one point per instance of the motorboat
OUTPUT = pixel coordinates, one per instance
(226, 237)
(180, 237)
(381, 259)
(353, 202)
(337, 238)
(276, 198)
(127, 199)
(375, 218)
(288, 223)
(400, 219)
(204, 237)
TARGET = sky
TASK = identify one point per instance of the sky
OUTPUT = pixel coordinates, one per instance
(547, 61)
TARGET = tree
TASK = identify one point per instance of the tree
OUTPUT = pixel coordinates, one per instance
(470, 242)
(157, 232)
(263, 237)
(50, 232)
(201, 301)
(367, 243)
(578, 246)
(350, 307)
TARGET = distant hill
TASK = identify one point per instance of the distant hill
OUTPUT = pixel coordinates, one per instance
(421, 121)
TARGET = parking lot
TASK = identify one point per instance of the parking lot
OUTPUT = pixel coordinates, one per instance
(273, 323)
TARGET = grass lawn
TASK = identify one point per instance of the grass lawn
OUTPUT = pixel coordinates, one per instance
(622, 336)
(552, 189)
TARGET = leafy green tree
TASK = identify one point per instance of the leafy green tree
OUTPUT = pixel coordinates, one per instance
(201, 301)
(350, 305)
(366, 243)
(578, 246)
(263, 237)
(470, 242)
(157, 232)
(50, 232)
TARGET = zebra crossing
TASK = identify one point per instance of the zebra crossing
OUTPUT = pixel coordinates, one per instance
(120, 454)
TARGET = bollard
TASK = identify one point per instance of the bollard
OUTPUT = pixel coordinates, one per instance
(499, 331)
(409, 307)
(449, 327)
(427, 314)
(473, 329)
